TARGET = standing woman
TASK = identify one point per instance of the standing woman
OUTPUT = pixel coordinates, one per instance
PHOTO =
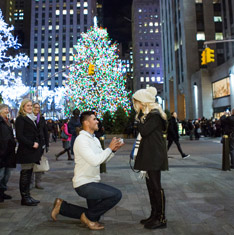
(7, 151)
(29, 150)
(44, 139)
(152, 152)
(66, 142)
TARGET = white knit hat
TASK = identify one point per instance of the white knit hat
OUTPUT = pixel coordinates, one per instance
(146, 95)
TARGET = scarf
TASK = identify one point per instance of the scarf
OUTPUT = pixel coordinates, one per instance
(32, 117)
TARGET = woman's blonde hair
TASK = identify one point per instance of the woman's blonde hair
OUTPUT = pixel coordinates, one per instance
(21, 109)
(146, 108)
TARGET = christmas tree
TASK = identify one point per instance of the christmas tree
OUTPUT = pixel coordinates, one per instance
(11, 86)
(105, 89)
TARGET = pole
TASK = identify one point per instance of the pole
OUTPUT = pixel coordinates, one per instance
(37, 83)
(218, 41)
(226, 159)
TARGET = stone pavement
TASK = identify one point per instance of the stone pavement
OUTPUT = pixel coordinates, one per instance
(200, 197)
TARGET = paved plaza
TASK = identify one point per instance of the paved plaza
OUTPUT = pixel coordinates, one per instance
(200, 196)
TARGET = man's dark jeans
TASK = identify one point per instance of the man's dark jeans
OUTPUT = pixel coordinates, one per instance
(100, 198)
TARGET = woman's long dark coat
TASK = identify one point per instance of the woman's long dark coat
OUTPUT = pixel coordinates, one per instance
(7, 145)
(152, 152)
(27, 132)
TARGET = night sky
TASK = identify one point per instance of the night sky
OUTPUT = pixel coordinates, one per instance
(118, 28)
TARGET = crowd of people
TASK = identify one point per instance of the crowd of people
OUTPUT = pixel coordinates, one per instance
(34, 134)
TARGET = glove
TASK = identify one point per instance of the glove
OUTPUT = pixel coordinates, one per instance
(46, 149)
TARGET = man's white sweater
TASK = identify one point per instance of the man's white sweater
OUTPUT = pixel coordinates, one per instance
(88, 157)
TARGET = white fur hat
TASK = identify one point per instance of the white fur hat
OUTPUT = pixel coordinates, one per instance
(146, 95)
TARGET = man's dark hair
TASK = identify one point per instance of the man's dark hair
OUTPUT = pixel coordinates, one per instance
(85, 115)
(76, 112)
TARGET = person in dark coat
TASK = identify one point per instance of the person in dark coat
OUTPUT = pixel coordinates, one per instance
(228, 123)
(73, 124)
(29, 150)
(7, 151)
(173, 134)
(44, 140)
(152, 153)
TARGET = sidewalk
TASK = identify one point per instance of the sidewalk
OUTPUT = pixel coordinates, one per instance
(200, 197)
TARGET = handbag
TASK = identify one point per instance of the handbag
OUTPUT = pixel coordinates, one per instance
(134, 151)
(64, 135)
(43, 166)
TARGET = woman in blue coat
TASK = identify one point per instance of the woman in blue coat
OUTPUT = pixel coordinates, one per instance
(29, 151)
(152, 154)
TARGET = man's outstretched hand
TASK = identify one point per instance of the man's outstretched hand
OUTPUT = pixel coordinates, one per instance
(115, 144)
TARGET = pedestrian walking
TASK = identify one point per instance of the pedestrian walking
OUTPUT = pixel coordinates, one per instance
(73, 124)
(29, 149)
(228, 123)
(65, 141)
(7, 151)
(44, 141)
(152, 152)
(86, 181)
(173, 134)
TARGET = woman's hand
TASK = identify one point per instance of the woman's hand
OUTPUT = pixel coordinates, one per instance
(36, 145)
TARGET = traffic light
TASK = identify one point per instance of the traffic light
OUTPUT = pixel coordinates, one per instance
(91, 69)
(203, 57)
(210, 55)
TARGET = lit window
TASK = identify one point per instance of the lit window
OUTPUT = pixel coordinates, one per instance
(217, 19)
(198, 1)
(156, 30)
(141, 51)
(42, 50)
(158, 79)
(141, 65)
(139, 10)
(50, 27)
(35, 50)
(142, 79)
(146, 58)
(151, 30)
(64, 58)
(56, 58)
(85, 12)
(56, 50)
(85, 4)
(64, 50)
(50, 50)
(201, 36)
(153, 79)
(150, 23)
(78, 4)
(49, 58)
(35, 59)
(71, 58)
(218, 36)
(57, 12)
(147, 79)
(146, 51)
(147, 65)
(152, 51)
(57, 27)
(64, 12)
(42, 58)
(156, 24)
(158, 65)
(145, 24)
(49, 82)
(71, 12)
(152, 65)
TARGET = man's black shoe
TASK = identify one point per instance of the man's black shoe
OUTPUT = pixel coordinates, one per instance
(185, 156)
(7, 197)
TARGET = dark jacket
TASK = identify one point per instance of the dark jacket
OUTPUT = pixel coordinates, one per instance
(73, 124)
(152, 152)
(227, 124)
(27, 133)
(172, 131)
(7, 145)
(44, 136)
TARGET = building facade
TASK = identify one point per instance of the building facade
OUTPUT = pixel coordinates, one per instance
(146, 44)
(7, 8)
(186, 25)
(55, 27)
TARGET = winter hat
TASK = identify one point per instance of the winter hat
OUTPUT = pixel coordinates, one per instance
(146, 95)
